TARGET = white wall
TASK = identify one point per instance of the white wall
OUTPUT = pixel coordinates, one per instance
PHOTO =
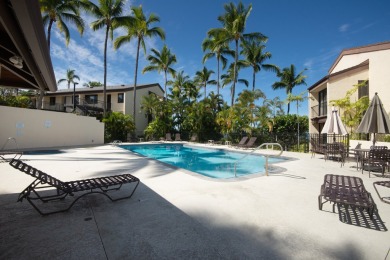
(35, 129)
(379, 72)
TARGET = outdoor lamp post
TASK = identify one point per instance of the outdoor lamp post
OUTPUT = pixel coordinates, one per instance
(74, 95)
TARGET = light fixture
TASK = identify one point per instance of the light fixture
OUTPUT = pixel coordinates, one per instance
(17, 61)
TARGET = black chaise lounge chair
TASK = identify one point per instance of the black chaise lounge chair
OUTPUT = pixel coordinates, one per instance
(386, 184)
(242, 142)
(177, 137)
(346, 190)
(168, 137)
(99, 185)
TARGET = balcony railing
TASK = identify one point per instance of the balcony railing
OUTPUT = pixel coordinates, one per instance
(318, 110)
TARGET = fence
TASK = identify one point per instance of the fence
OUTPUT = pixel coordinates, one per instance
(322, 139)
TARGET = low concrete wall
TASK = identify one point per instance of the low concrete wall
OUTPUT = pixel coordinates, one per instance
(367, 144)
(36, 129)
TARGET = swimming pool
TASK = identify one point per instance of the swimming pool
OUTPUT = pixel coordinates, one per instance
(214, 163)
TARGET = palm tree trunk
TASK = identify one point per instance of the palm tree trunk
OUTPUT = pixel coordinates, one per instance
(165, 85)
(218, 86)
(135, 81)
(235, 73)
(205, 90)
(105, 74)
(254, 80)
(49, 33)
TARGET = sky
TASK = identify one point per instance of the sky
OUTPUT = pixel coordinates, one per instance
(309, 34)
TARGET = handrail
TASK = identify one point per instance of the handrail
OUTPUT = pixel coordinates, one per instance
(266, 156)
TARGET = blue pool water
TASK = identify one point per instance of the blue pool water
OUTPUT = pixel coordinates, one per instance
(209, 162)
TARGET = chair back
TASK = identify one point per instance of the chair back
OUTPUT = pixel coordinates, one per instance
(43, 177)
(243, 140)
(168, 137)
(251, 141)
(194, 137)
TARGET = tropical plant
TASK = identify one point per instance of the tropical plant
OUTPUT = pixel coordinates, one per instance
(92, 84)
(233, 27)
(150, 105)
(162, 61)
(289, 80)
(117, 126)
(108, 14)
(138, 27)
(352, 112)
(203, 78)
(255, 57)
(219, 50)
(228, 79)
(297, 98)
(60, 12)
(70, 77)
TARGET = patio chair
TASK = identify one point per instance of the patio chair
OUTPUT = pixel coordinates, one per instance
(385, 184)
(100, 185)
(250, 143)
(356, 154)
(194, 138)
(346, 190)
(177, 137)
(242, 142)
(335, 151)
(168, 137)
(377, 157)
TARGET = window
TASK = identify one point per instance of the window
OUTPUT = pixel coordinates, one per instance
(52, 101)
(91, 99)
(363, 89)
(120, 97)
(323, 105)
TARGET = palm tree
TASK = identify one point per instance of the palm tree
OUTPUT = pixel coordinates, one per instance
(108, 16)
(255, 56)
(59, 11)
(162, 61)
(70, 77)
(229, 78)
(178, 83)
(92, 84)
(289, 80)
(138, 27)
(203, 78)
(234, 22)
(219, 51)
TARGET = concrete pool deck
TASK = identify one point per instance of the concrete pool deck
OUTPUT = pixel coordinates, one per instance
(176, 215)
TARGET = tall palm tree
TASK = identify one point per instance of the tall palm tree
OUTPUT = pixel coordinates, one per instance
(218, 50)
(234, 23)
(60, 12)
(178, 83)
(229, 78)
(255, 57)
(70, 77)
(162, 61)
(138, 27)
(203, 78)
(108, 14)
(289, 80)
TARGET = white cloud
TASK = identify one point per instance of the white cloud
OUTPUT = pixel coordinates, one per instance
(344, 27)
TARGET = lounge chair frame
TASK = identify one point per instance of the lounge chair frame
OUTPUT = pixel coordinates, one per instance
(346, 190)
(100, 185)
(385, 184)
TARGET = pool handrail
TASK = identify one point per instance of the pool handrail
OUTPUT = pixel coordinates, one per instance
(265, 155)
